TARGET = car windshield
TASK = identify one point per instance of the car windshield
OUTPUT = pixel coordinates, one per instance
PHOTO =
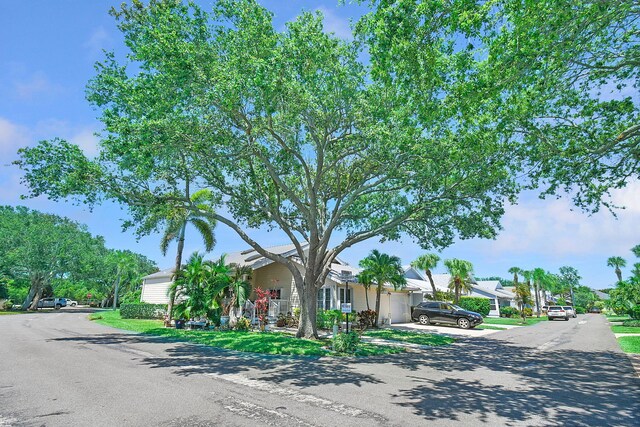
(568, 308)
(457, 307)
(555, 308)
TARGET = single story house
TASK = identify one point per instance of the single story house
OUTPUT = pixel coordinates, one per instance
(395, 305)
(155, 287)
(498, 296)
(491, 289)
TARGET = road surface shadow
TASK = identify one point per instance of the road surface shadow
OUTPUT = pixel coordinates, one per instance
(564, 387)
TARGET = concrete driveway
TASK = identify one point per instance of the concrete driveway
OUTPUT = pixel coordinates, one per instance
(453, 331)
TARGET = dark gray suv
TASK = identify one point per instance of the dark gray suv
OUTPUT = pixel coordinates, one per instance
(444, 312)
(56, 303)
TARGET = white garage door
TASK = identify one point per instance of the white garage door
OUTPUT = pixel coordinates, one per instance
(399, 308)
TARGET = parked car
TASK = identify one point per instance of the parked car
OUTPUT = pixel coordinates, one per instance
(570, 311)
(71, 303)
(557, 312)
(443, 312)
(595, 310)
(56, 303)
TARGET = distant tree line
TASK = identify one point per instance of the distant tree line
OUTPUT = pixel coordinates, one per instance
(44, 255)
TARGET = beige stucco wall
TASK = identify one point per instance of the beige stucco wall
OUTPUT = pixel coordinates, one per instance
(276, 276)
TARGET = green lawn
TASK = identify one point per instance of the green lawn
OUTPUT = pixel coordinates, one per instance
(410, 337)
(618, 329)
(513, 321)
(253, 342)
(615, 318)
(8, 313)
(630, 344)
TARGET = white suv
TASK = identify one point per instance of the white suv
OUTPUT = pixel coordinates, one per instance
(557, 312)
(570, 311)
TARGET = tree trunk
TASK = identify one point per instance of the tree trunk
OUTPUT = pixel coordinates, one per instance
(619, 274)
(378, 293)
(115, 293)
(177, 266)
(35, 292)
(535, 287)
(433, 285)
(308, 308)
(366, 297)
(457, 291)
(32, 293)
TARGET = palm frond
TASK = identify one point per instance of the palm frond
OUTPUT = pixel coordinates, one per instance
(206, 232)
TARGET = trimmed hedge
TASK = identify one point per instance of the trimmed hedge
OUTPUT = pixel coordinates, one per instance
(477, 304)
(580, 310)
(143, 310)
(634, 312)
(633, 323)
(508, 311)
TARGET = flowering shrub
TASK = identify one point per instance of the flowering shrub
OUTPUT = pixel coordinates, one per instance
(243, 324)
(262, 305)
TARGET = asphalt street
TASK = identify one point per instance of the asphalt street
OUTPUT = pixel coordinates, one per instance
(60, 369)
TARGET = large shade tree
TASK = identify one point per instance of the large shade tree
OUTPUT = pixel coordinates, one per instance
(291, 130)
(49, 252)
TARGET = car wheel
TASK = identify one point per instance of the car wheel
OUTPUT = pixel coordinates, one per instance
(566, 318)
(73, 305)
(549, 319)
(423, 319)
(464, 323)
(57, 307)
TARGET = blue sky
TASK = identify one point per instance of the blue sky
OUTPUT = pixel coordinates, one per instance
(47, 52)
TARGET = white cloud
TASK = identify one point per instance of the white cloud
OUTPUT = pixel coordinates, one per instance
(12, 137)
(87, 141)
(36, 86)
(551, 228)
(334, 23)
(97, 41)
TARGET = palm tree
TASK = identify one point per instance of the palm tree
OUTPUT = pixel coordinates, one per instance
(538, 276)
(460, 271)
(515, 271)
(617, 262)
(177, 221)
(522, 297)
(427, 262)
(365, 278)
(240, 286)
(193, 281)
(383, 269)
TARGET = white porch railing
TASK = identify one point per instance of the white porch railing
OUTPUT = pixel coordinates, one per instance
(277, 306)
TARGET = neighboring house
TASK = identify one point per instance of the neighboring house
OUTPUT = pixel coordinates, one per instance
(395, 306)
(601, 295)
(155, 287)
(491, 289)
(498, 296)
